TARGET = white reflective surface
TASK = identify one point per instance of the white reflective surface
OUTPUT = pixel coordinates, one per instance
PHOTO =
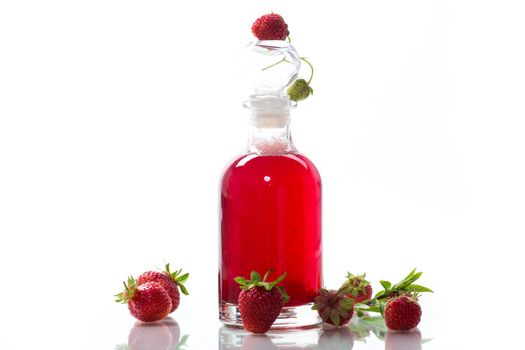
(357, 335)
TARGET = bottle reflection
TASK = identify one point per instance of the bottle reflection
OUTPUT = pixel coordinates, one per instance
(237, 339)
(162, 335)
(323, 338)
(403, 340)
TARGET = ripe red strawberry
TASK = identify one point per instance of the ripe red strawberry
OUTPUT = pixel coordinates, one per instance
(148, 302)
(170, 281)
(270, 27)
(402, 313)
(260, 302)
(334, 307)
(361, 290)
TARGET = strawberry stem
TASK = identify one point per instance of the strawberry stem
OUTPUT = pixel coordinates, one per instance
(311, 68)
(276, 63)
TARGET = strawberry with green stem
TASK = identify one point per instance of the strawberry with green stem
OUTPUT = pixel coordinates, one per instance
(273, 27)
(300, 88)
(260, 301)
(147, 302)
(170, 281)
(334, 306)
(270, 26)
(361, 288)
(404, 287)
(402, 313)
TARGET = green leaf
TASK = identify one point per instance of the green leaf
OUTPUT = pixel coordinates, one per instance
(416, 276)
(382, 309)
(285, 296)
(255, 277)
(379, 294)
(347, 303)
(345, 290)
(182, 342)
(411, 274)
(279, 279)
(335, 318)
(183, 278)
(241, 281)
(374, 320)
(183, 289)
(419, 289)
(385, 284)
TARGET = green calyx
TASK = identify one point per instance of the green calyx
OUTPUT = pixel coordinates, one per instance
(129, 290)
(333, 305)
(178, 278)
(356, 283)
(256, 281)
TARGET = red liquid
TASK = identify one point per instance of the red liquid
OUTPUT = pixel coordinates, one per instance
(271, 219)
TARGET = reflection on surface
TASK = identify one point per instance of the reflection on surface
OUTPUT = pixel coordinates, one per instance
(403, 340)
(162, 335)
(298, 339)
(258, 342)
(336, 339)
(322, 338)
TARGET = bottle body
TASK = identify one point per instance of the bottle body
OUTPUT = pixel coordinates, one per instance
(271, 219)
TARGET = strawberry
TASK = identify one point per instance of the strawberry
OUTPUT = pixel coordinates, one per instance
(147, 302)
(402, 313)
(270, 27)
(170, 281)
(260, 302)
(361, 290)
(299, 90)
(405, 287)
(334, 307)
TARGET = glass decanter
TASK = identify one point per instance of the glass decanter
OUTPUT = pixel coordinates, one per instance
(271, 198)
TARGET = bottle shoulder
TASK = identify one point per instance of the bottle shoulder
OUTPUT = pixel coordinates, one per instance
(254, 163)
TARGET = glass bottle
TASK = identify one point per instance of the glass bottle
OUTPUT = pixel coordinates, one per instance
(271, 208)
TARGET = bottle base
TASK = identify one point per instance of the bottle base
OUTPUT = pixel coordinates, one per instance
(301, 316)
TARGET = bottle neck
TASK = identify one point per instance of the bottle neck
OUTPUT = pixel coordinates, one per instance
(270, 137)
(270, 125)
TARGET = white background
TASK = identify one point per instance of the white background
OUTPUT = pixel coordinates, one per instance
(117, 119)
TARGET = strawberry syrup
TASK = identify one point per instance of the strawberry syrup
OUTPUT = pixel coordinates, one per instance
(271, 219)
